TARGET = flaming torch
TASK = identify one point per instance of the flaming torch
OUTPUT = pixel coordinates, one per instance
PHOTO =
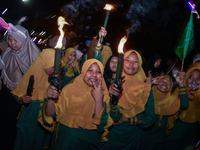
(107, 7)
(121, 57)
(118, 79)
(55, 79)
(61, 23)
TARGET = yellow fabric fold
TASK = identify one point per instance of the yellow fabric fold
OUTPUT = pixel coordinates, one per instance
(97, 118)
(135, 91)
(37, 69)
(131, 121)
(166, 103)
(171, 120)
(106, 53)
(50, 125)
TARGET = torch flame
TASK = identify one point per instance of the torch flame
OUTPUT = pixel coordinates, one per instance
(108, 7)
(61, 23)
(121, 44)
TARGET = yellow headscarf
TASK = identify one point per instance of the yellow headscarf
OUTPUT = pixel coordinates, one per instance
(70, 70)
(135, 91)
(37, 69)
(166, 103)
(75, 107)
(106, 53)
(192, 113)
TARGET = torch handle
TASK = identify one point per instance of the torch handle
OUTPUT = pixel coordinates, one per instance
(30, 86)
(106, 19)
(57, 61)
(118, 82)
(101, 41)
(114, 100)
(119, 66)
(105, 24)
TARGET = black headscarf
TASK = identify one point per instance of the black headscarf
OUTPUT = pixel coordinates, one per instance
(149, 65)
(108, 73)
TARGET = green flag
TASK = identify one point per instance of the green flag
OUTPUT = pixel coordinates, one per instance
(186, 44)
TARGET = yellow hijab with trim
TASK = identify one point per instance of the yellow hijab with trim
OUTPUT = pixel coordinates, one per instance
(166, 103)
(76, 106)
(106, 53)
(65, 59)
(135, 91)
(192, 113)
(37, 69)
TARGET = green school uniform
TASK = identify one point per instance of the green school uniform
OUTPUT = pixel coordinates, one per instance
(155, 137)
(29, 129)
(128, 136)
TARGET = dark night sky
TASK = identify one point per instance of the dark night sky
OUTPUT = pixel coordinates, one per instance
(160, 27)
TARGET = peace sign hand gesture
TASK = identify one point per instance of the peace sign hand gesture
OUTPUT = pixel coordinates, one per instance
(97, 91)
(180, 78)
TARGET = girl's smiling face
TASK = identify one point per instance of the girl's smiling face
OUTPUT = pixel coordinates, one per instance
(194, 77)
(131, 64)
(193, 83)
(93, 75)
(164, 85)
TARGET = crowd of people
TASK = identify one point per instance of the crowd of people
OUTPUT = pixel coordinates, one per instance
(154, 110)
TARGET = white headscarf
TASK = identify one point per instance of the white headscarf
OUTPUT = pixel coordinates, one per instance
(79, 54)
(16, 63)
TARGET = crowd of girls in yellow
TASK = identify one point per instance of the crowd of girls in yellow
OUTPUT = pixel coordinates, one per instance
(148, 115)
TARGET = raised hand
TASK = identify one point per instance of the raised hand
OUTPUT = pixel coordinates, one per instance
(26, 99)
(150, 78)
(121, 120)
(102, 32)
(72, 60)
(180, 78)
(190, 93)
(113, 90)
(97, 91)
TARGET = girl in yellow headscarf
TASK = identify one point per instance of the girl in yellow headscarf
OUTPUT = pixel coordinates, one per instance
(183, 125)
(30, 135)
(166, 104)
(82, 110)
(70, 67)
(133, 109)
